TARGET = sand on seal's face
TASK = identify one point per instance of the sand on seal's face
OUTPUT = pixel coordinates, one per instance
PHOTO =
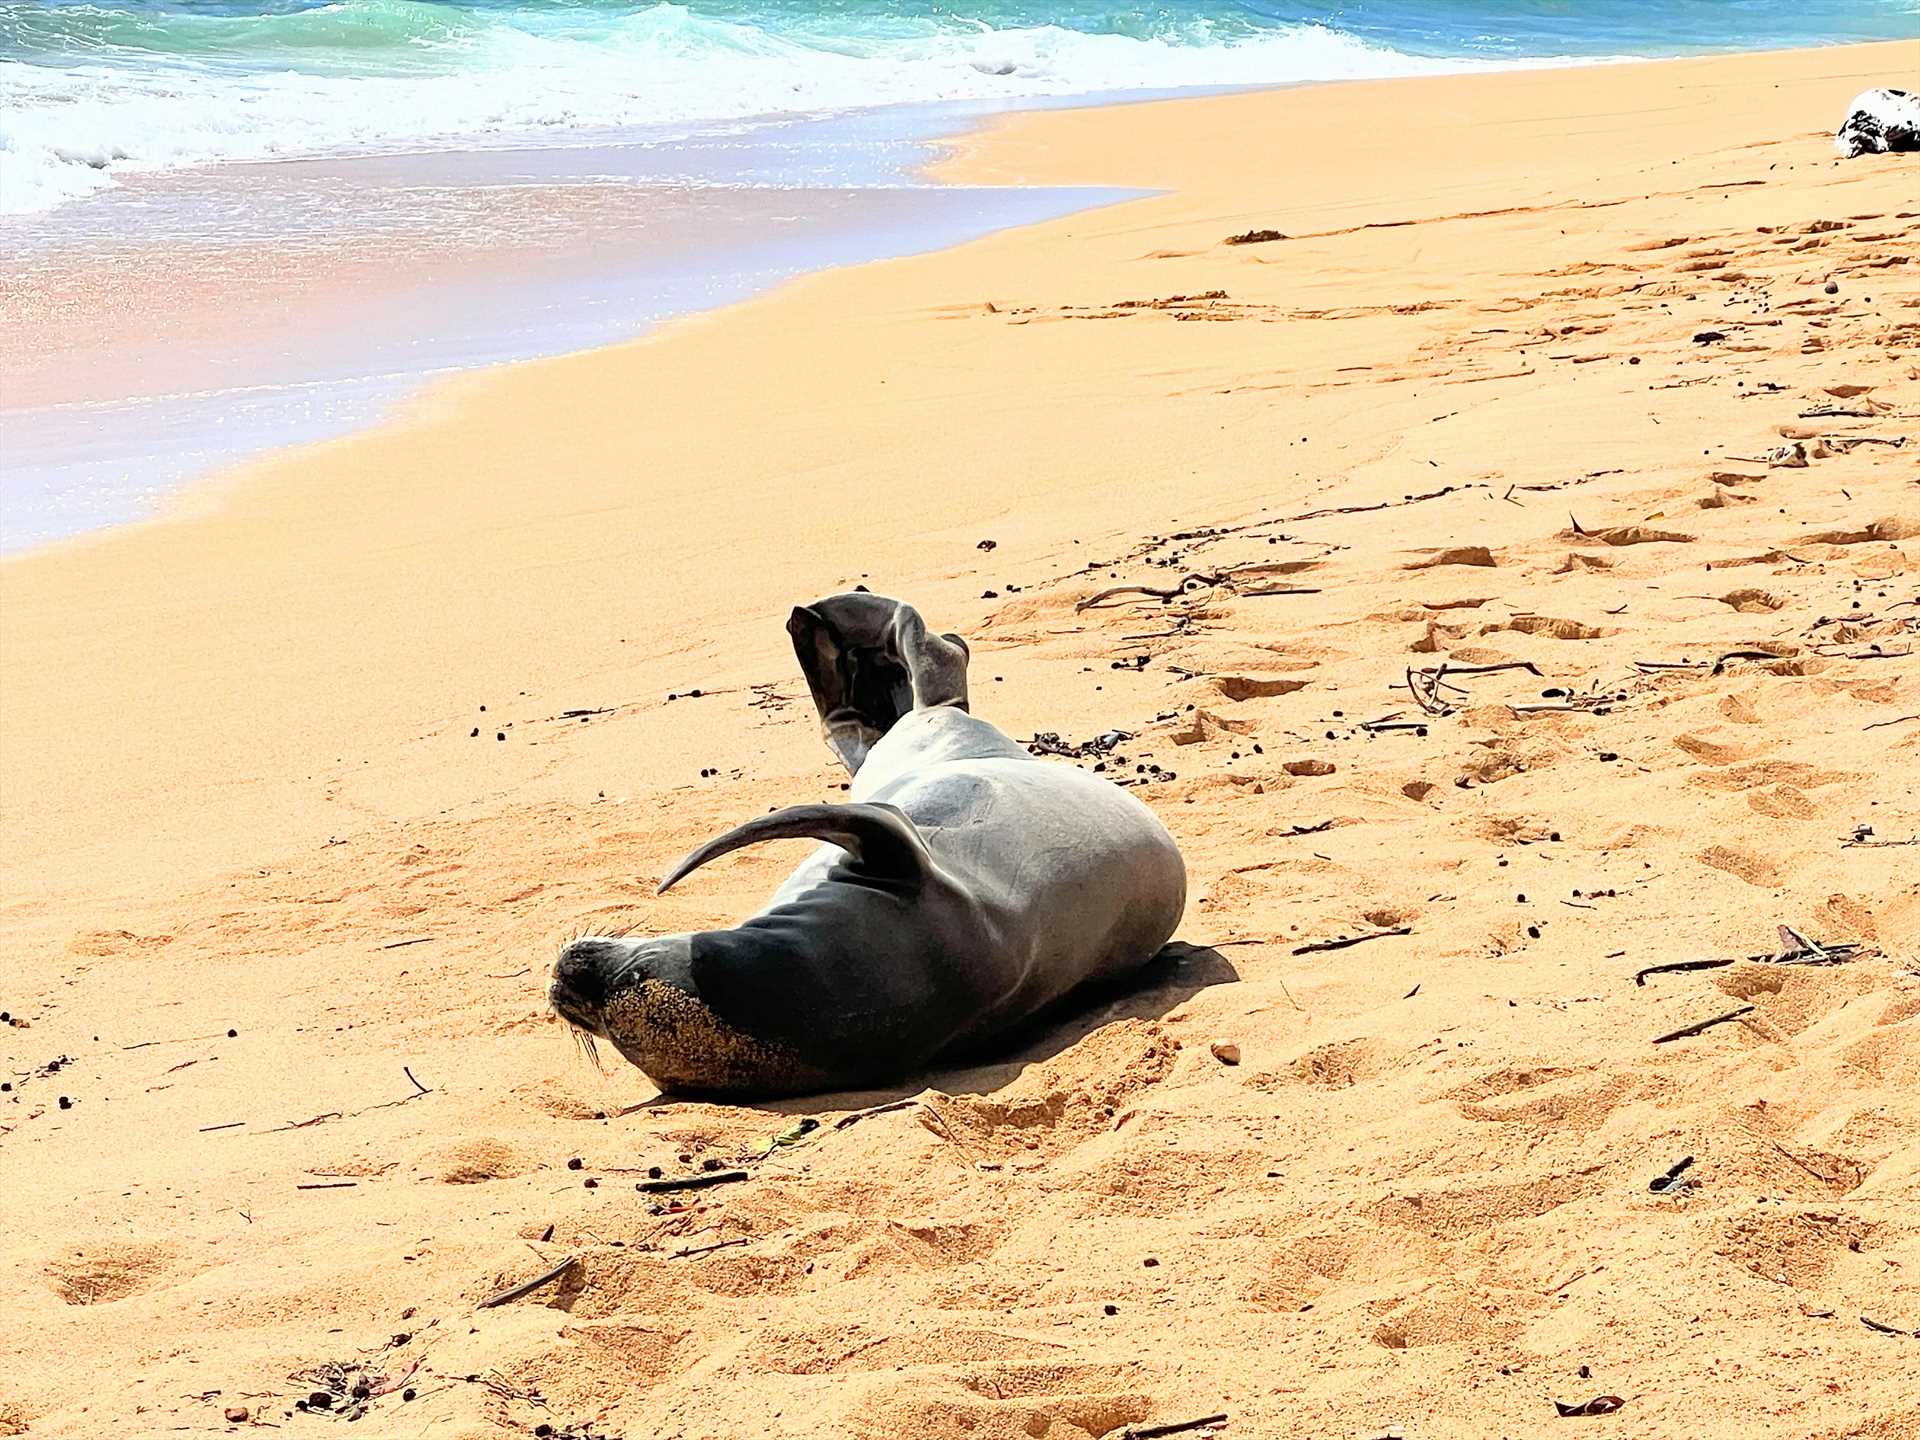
(1421, 1199)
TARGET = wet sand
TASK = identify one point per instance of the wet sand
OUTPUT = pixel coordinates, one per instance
(1591, 375)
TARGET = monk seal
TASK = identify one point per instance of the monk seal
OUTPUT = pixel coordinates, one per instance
(1880, 121)
(966, 887)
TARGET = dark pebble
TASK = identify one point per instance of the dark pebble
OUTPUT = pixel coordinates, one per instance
(233, 1034)
(1533, 932)
(1554, 835)
(575, 1163)
(65, 1103)
(408, 1394)
(710, 1164)
(653, 1172)
(474, 733)
(1149, 1262)
(320, 1400)
(499, 734)
(1110, 1309)
(1608, 755)
(591, 1183)
(1832, 289)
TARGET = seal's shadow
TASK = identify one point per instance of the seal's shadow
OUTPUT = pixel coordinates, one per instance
(1178, 972)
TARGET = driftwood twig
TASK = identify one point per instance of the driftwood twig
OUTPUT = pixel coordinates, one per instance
(1687, 1030)
(1345, 941)
(1178, 1427)
(693, 1182)
(527, 1287)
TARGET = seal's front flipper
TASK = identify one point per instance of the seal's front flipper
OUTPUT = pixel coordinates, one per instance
(880, 840)
(869, 661)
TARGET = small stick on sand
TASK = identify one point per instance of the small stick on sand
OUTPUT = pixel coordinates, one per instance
(402, 944)
(1178, 1427)
(1343, 943)
(704, 1249)
(1684, 1032)
(886, 1109)
(329, 1185)
(527, 1287)
(1640, 978)
(692, 1182)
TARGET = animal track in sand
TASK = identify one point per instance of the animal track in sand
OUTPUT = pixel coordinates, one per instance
(559, 1099)
(1711, 752)
(1450, 1212)
(1156, 1184)
(1752, 602)
(1793, 1249)
(1338, 1066)
(1774, 772)
(1247, 687)
(893, 1247)
(1008, 1402)
(1300, 1273)
(1456, 555)
(1782, 802)
(1450, 1313)
(1063, 1099)
(1620, 535)
(1887, 529)
(471, 1162)
(110, 1270)
(1741, 864)
(114, 942)
(1577, 562)
(1550, 626)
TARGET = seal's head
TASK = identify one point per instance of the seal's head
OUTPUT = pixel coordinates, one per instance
(639, 995)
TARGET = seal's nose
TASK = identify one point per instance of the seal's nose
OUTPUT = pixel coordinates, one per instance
(580, 987)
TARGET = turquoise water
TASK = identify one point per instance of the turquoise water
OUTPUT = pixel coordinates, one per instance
(97, 90)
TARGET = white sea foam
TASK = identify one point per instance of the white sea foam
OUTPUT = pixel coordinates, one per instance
(67, 131)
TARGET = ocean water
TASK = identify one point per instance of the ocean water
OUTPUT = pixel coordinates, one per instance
(90, 92)
(231, 225)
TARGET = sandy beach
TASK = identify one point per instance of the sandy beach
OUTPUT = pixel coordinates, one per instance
(1487, 504)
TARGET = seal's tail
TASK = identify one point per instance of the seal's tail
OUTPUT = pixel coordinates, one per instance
(880, 839)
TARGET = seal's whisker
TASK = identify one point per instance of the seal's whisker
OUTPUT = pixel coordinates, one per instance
(584, 1041)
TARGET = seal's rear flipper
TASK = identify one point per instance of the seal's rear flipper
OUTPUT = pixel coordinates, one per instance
(880, 839)
(870, 660)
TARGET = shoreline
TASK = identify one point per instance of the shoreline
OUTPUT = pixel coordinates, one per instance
(448, 261)
(1593, 374)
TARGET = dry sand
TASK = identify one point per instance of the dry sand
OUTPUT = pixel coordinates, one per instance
(1579, 368)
